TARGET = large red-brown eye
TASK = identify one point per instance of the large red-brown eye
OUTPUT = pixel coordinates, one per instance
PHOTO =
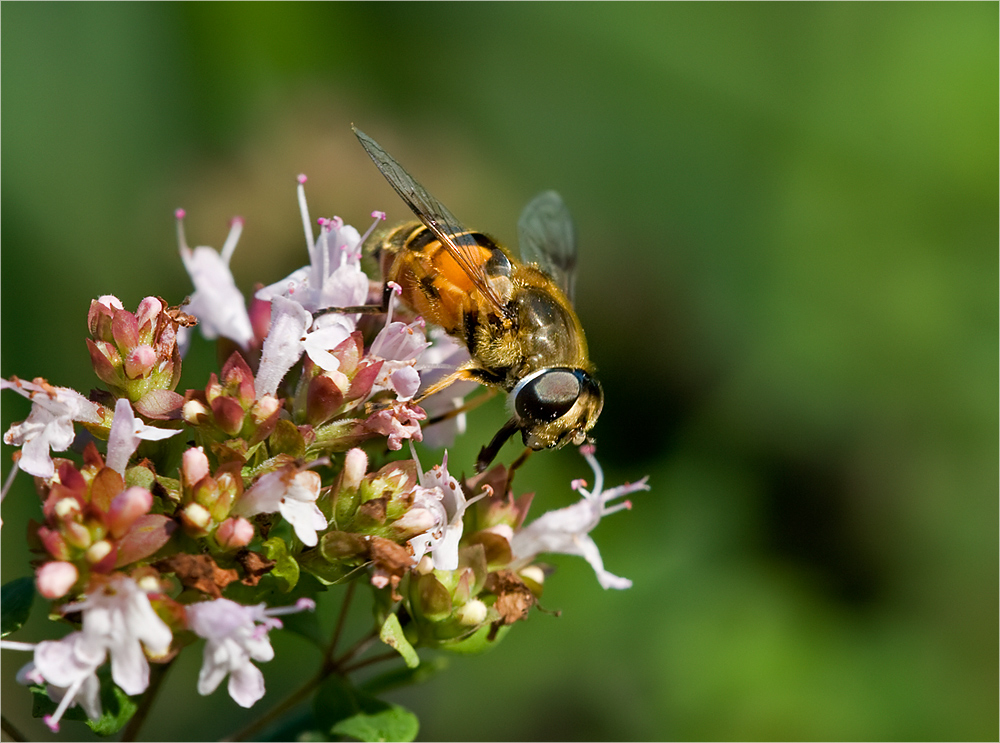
(548, 395)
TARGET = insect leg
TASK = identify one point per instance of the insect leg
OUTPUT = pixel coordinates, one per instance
(489, 452)
(365, 309)
(465, 408)
(462, 374)
(522, 458)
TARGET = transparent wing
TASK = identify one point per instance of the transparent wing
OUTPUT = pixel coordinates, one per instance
(548, 239)
(436, 217)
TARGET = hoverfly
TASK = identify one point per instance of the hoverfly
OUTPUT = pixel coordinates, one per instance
(514, 316)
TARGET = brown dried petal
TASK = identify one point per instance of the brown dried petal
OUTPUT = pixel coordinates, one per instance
(199, 572)
(255, 566)
(373, 510)
(514, 598)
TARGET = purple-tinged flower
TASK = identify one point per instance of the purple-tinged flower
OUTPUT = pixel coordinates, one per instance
(293, 493)
(50, 424)
(567, 530)
(441, 358)
(294, 332)
(216, 302)
(333, 277)
(235, 635)
(126, 433)
(398, 345)
(69, 669)
(397, 421)
(441, 496)
(118, 618)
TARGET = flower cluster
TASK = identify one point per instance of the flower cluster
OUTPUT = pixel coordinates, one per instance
(183, 506)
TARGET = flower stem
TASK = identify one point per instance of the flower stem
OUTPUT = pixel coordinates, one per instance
(341, 621)
(391, 655)
(279, 709)
(8, 727)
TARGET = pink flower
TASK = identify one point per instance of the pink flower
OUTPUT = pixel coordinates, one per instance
(50, 424)
(396, 422)
(126, 433)
(333, 277)
(68, 667)
(567, 530)
(118, 617)
(216, 302)
(439, 497)
(292, 333)
(293, 493)
(235, 635)
(399, 345)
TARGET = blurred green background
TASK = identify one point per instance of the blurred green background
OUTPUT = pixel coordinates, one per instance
(788, 229)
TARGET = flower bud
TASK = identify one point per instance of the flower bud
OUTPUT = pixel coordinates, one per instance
(146, 315)
(67, 508)
(54, 579)
(234, 533)
(98, 551)
(196, 519)
(125, 330)
(228, 414)
(195, 412)
(194, 464)
(229, 487)
(107, 362)
(264, 408)
(140, 361)
(126, 507)
(323, 398)
(472, 613)
(355, 466)
(54, 543)
(100, 315)
(533, 577)
(76, 534)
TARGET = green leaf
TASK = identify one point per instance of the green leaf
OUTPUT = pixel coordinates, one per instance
(343, 710)
(286, 569)
(117, 707)
(15, 604)
(392, 635)
(118, 710)
(380, 722)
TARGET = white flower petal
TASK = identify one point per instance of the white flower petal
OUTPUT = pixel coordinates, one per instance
(283, 345)
(246, 685)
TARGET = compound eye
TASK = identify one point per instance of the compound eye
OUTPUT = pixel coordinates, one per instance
(548, 396)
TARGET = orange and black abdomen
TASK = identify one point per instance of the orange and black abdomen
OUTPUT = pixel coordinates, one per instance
(434, 284)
